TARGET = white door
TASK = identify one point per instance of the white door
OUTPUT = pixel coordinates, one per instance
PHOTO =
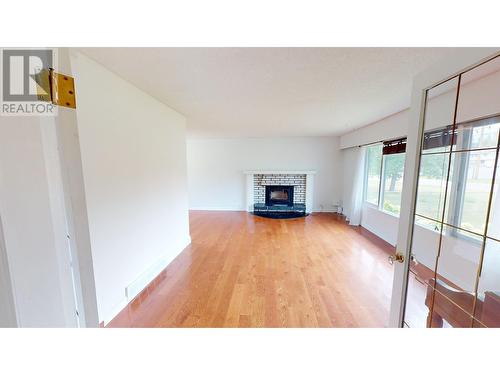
(447, 267)
(68, 287)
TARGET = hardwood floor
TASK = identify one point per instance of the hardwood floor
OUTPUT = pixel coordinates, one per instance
(246, 271)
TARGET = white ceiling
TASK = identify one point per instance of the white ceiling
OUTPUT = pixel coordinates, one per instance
(256, 92)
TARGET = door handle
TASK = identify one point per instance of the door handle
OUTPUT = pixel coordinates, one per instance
(398, 257)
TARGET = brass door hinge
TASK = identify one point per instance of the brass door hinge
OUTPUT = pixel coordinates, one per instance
(59, 89)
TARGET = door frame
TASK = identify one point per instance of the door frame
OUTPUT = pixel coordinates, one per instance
(75, 224)
(8, 311)
(459, 62)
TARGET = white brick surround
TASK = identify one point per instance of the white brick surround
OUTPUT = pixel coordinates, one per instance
(303, 182)
(298, 181)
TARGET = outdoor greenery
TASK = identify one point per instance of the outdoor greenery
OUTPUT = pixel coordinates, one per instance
(431, 185)
(434, 165)
(393, 170)
(393, 180)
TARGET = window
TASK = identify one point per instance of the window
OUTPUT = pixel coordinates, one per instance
(384, 175)
(372, 173)
(393, 182)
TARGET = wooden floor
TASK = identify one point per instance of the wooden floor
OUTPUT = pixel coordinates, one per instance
(246, 271)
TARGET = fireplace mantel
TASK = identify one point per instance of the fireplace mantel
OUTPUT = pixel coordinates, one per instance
(279, 172)
(250, 185)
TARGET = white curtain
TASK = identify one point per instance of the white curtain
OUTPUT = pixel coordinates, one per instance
(354, 169)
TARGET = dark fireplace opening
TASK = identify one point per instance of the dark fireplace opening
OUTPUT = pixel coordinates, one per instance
(279, 196)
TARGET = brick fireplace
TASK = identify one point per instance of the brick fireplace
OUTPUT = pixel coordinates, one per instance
(283, 191)
(297, 181)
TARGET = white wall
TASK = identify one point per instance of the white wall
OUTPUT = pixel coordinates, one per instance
(381, 223)
(215, 168)
(134, 165)
(391, 127)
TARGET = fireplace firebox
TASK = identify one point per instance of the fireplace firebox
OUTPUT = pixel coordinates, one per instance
(277, 195)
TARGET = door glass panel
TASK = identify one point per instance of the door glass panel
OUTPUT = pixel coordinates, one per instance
(494, 218)
(439, 111)
(417, 303)
(469, 188)
(477, 324)
(457, 267)
(488, 292)
(419, 295)
(425, 248)
(446, 312)
(432, 185)
(438, 140)
(476, 135)
(480, 92)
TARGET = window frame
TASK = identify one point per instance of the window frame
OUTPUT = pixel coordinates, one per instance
(381, 183)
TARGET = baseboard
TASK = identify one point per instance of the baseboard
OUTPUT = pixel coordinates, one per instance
(332, 209)
(217, 209)
(116, 310)
(239, 209)
(134, 288)
(367, 232)
(375, 232)
(144, 279)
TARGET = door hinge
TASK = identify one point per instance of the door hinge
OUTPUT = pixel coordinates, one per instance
(57, 88)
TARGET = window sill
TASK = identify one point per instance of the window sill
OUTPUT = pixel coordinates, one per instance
(371, 205)
(390, 213)
(375, 207)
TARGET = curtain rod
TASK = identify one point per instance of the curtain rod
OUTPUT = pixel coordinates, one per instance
(371, 143)
(392, 140)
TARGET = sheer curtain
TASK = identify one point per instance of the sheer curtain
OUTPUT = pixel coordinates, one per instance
(354, 168)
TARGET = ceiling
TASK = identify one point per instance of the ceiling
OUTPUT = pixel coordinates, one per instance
(258, 92)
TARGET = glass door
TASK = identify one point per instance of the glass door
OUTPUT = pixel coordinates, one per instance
(454, 268)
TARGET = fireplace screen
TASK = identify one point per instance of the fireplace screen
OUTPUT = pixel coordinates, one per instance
(279, 195)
